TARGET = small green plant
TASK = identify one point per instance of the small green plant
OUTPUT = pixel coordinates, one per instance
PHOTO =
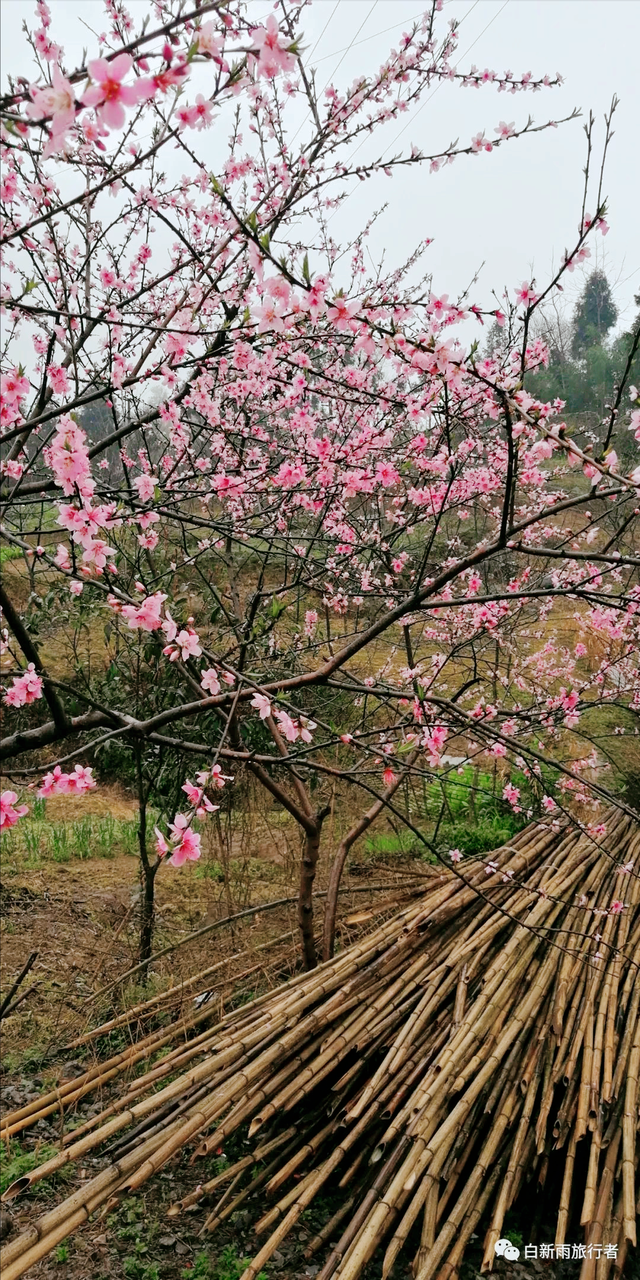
(134, 1269)
(515, 1238)
(488, 833)
(37, 839)
(60, 842)
(61, 1253)
(19, 1162)
(81, 835)
(9, 553)
(227, 1266)
(201, 1269)
(230, 1266)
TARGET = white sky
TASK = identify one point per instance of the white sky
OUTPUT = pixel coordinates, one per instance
(514, 210)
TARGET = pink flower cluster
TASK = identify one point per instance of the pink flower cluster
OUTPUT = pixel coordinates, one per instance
(147, 615)
(25, 689)
(199, 116)
(271, 49)
(200, 802)
(294, 729)
(9, 812)
(83, 523)
(13, 388)
(184, 843)
(182, 644)
(433, 741)
(68, 457)
(512, 795)
(57, 783)
(57, 102)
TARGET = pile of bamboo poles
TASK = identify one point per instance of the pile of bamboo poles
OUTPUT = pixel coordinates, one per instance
(428, 1074)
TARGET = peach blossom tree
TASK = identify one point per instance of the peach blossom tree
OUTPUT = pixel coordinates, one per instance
(313, 533)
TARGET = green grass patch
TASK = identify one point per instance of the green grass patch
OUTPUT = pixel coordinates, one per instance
(9, 553)
(36, 840)
(19, 1162)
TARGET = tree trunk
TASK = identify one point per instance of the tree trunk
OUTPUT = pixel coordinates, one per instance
(147, 915)
(305, 895)
(362, 825)
(148, 871)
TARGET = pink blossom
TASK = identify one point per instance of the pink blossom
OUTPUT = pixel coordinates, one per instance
(341, 313)
(80, 780)
(184, 840)
(498, 749)
(147, 614)
(61, 557)
(387, 474)
(25, 689)
(187, 645)
(57, 377)
(512, 795)
(455, 855)
(9, 812)
(287, 726)
(218, 778)
(306, 728)
(198, 799)
(56, 100)
(209, 680)
(57, 783)
(12, 468)
(109, 95)
(526, 295)
(208, 40)
(272, 51)
(262, 705)
(76, 588)
(388, 776)
(9, 186)
(616, 907)
(146, 487)
(14, 386)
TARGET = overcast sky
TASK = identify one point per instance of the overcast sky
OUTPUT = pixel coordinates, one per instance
(514, 210)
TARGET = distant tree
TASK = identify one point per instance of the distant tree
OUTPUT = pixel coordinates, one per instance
(595, 314)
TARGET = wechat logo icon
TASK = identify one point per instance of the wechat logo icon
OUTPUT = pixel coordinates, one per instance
(505, 1249)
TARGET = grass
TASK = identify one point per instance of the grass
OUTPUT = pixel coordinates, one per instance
(227, 1266)
(489, 833)
(383, 846)
(9, 553)
(17, 1163)
(37, 839)
(472, 818)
